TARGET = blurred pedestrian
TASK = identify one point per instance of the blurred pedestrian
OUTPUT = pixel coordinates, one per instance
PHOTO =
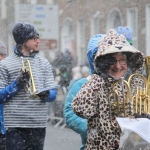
(76, 71)
(3, 53)
(63, 65)
(25, 116)
(77, 124)
(58, 60)
(65, 69)
(3, 50)
(85, 71)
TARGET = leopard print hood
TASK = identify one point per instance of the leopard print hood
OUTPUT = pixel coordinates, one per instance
(113, 43)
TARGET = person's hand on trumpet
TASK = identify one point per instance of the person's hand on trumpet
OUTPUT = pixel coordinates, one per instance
(23, 79)
(44, 95)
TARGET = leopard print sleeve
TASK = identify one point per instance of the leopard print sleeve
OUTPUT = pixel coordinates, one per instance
(85, 103)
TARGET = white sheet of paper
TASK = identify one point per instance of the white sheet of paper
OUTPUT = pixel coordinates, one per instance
(141, 126)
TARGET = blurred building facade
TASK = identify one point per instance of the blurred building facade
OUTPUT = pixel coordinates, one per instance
(81, 19)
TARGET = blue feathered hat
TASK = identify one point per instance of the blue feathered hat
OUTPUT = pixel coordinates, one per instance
(126, 31)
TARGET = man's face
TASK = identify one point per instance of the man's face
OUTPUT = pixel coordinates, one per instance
(2, 56)
(32, 44)
(120, 67)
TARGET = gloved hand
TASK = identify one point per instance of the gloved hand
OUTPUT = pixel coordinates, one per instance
(143, 115)
(23, 78)
(44, 95)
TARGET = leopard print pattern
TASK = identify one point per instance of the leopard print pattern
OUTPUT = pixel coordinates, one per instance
(112, 43)
(137, 82)
(92, 103)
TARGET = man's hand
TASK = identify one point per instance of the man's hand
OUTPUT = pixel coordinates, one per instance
(23, 78)
(44, 95)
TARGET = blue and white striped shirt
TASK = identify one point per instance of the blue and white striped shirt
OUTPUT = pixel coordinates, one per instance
(21, 110)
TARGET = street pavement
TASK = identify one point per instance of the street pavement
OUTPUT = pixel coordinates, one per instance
(61, 139)
(56, 137)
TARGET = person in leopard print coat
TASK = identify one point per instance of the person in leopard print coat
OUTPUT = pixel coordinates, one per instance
(115, 59)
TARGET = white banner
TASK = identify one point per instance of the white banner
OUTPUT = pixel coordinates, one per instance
(45, 18)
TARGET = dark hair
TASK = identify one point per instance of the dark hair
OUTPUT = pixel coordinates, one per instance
(135, 61)
(103, 63)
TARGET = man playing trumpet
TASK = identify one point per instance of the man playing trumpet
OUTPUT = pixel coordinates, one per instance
(114, 60)
(25, 115)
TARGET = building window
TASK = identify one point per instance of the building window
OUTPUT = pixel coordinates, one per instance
(22, 1)
(69, 0)
(147, 29)
(67, 37)
(81, 50)
(49, 1)
(3, 9)
(17, 1)
(114, 19)
(132, 21)
(95, 24)
(33, 1)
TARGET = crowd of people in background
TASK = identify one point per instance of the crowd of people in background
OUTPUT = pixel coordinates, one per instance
(66, 73)
(66, 69)
(62, 65)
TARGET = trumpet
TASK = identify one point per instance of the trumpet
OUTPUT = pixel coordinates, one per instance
(135, 100)
(30, 86)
